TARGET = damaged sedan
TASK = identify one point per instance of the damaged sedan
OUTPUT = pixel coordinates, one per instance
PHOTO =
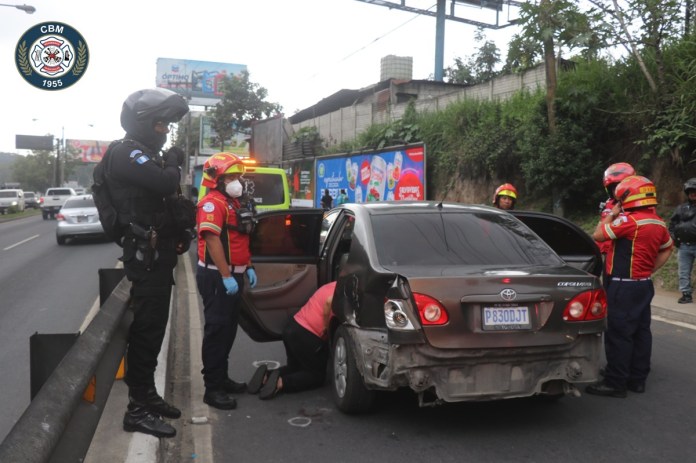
(455, 302)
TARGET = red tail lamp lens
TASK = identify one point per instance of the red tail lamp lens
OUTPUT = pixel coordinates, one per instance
(586, 306)
(431, 312)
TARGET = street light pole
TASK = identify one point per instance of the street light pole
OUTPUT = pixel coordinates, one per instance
(28, 9)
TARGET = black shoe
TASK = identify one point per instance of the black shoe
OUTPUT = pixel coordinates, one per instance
(605, 390)
(233, 387)
(685, 299)
(638, 387)
(256, 381)
(270, 389)
(157, 405)
(141, 420)
(602, 371)
(219, 399)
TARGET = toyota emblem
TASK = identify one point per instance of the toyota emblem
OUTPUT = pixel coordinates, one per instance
(508, 294)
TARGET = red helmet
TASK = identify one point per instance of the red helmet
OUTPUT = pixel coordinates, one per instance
(220, 164)
(636, 191)
(506, 189)
(617, 172)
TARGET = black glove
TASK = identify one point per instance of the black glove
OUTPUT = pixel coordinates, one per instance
(175, 155)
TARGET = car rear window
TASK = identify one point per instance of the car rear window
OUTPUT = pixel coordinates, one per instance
(78, 202)
(8, 194)
(59, 192)
(440, 239)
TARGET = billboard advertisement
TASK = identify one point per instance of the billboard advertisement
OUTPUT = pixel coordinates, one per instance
(209, 144)
(393, 174)
(197, 81)
(87, 150)
(301, 181)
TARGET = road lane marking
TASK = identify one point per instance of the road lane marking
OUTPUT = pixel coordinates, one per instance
(21, 242)
(674, 322)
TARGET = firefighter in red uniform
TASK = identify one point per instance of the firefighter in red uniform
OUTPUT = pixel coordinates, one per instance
(641, 244)
(505, 197)
(223, 260)
(612, 176)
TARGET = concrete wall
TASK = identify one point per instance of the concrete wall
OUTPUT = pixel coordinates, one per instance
(346, 123)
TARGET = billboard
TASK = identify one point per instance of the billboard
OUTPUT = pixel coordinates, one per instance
(392, 174)
(239, 144)
(197, 81)
(301, 181)
(33, 142)
(87, 150)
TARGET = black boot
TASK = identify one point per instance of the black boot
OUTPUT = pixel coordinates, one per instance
(685, 299)
(139, 418)
(156, 404)
(220, 399)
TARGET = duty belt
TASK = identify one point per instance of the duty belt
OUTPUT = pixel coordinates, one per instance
(629, 279)
(233, 268)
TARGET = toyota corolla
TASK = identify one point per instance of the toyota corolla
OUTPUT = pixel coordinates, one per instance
(456, 302)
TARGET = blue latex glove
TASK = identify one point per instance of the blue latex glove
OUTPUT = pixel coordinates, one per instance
(252, 277)
(231, 285)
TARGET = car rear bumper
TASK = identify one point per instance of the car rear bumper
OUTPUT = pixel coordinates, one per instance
(457, 375)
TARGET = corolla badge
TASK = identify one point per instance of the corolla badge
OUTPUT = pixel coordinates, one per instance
(508, 294)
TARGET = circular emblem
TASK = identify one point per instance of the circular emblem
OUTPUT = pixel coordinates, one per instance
(51, 56)
(508, 294)
(208, 207)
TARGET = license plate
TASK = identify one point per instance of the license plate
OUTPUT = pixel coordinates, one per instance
(506, 318)
(81, 218)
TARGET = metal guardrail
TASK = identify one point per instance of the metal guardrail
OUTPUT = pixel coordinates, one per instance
(58, 425)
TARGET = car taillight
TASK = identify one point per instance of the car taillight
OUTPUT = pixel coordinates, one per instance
(588, 305)
(60, 216)
(431, 312)
(41, 200)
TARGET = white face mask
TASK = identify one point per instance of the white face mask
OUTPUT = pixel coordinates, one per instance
(234, 189)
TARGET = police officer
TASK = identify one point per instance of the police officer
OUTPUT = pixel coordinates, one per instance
(142, 182)
(224, 225)
(505, 196)
(682, 227)
(641, 244)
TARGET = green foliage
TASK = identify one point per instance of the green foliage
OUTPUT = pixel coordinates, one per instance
(477, 68)
(35, 172)
(242, 103)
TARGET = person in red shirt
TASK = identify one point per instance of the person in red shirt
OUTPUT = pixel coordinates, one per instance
(306, 347)
(223, 260)
(641, 244)
(612, 177)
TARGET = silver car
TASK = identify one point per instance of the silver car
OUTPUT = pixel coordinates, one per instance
(78, 218)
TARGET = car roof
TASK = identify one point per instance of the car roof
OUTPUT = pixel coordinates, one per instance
(413, 207)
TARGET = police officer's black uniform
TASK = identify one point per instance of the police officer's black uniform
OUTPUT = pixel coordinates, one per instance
(142, 184)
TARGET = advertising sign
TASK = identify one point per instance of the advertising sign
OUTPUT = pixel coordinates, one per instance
(392, 175)
(239, 144)
(197, 81)
(301, 181)
(87, 150)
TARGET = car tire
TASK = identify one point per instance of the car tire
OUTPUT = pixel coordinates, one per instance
(347, 387)
(45, 215)
(60, 239)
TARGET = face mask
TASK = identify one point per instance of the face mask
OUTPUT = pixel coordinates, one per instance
(234, 189)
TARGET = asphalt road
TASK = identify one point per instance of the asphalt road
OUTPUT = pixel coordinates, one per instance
(44, 288)
(306, 427)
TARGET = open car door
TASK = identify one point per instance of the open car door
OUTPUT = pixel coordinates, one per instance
(569, 241)
(285, 247)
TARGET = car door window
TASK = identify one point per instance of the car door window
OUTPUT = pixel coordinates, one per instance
(286, 235)
(326, 224)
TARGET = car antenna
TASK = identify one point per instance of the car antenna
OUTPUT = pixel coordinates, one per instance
(449, 188)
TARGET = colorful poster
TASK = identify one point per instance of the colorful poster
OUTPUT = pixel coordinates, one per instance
(301, 181)
(392, 175)
(87, 150)
(209, 143)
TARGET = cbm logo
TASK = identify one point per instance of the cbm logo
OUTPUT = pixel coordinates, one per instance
(51, 56)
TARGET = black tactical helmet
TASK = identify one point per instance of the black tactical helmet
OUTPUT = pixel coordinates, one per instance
(690, 185)
(144, 108)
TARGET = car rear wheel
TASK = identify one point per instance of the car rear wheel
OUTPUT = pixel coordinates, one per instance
(348, 390)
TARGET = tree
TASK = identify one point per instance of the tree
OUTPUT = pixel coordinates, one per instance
(242, 103)
(35, 172)
(479, 67)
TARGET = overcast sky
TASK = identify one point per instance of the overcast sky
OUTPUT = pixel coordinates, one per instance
(301, 51)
